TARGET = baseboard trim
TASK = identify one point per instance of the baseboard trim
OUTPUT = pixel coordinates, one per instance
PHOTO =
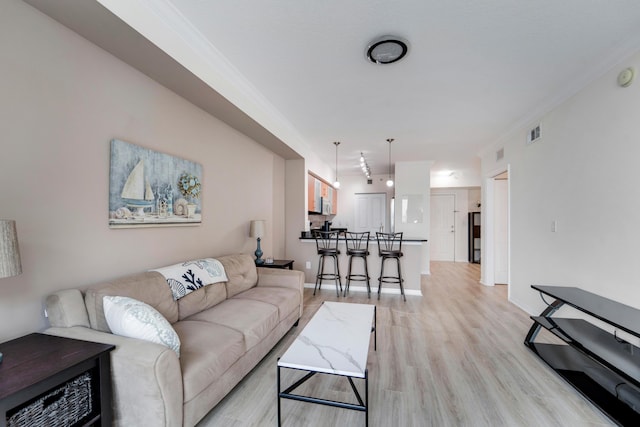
(352, 288)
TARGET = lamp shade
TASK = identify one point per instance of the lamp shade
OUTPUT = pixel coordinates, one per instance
(9, 252)
(257, 228)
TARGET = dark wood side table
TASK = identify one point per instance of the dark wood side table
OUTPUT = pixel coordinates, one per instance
(39, 371)
(278, 263)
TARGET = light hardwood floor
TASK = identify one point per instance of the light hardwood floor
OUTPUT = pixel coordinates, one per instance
(453, 357)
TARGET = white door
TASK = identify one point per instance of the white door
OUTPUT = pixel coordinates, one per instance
(443, 230)
(501, 232)
(370, 212)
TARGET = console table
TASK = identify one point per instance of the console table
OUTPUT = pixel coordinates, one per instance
(47, 380)
(603, 367)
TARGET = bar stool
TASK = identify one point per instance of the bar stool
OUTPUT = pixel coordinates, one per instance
(357, 247)
(390, 247)
(327, 245)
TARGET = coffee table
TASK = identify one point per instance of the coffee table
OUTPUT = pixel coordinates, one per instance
(335, 342)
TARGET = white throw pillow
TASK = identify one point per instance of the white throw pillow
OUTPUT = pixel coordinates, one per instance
(129, 317)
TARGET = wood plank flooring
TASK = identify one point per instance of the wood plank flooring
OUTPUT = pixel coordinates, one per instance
(453, 357)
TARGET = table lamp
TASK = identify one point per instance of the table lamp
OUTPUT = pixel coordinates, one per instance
(257, 231)
(9, 252)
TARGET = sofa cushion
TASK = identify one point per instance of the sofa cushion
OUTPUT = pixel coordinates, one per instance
(241, 272)
(131, 318)
(201, 300)
(207, 351)
(285, 299)
(149, 287)
(254, 319)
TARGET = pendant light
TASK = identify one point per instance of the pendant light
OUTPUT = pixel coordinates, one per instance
(336, 183)
(365, 166)
(389, 181)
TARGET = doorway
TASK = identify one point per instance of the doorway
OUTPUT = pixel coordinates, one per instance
(501, 229)
(496, 225)
(443, 229)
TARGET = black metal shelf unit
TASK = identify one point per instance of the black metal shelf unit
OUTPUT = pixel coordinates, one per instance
(603, 367)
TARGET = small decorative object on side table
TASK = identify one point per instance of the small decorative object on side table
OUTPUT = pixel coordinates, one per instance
(44, 378)
(278, 263)
(257, 231)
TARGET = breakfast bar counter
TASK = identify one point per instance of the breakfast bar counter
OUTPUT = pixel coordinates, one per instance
(414, 264)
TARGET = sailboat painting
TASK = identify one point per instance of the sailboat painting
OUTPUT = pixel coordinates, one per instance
(146, 188)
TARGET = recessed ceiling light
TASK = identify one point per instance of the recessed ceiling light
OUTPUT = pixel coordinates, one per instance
(387, 50)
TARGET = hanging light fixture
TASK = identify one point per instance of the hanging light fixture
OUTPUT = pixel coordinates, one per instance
(364, 166)
(389, 181)
(336, 184)
(387, 49)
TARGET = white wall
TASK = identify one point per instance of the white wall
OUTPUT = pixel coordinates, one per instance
(63, 99)
(475, 197)
(459, 174)
(584, 174)
(413, 178)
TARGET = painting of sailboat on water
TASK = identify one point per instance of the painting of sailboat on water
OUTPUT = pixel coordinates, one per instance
(149, 188)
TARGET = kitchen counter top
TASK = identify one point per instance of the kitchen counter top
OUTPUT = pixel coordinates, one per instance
(371, 239)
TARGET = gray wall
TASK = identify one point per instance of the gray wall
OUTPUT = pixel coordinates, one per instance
(63, 99)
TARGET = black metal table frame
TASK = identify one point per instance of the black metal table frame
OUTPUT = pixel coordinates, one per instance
(573, 367)
(362, 406)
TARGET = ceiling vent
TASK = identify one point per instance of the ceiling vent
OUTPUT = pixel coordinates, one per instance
(534, 134)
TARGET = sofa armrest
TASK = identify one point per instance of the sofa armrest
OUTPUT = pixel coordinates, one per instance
(138, 368)
(66, 308)
(280, 278)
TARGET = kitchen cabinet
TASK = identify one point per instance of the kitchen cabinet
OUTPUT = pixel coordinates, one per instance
(324, 190)
(314, 195)
(322, 198)
(311, 191)
(334, 201)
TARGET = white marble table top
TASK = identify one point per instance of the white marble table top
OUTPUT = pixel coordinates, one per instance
(335, 341)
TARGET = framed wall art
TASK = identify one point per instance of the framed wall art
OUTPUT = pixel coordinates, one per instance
(152, 189)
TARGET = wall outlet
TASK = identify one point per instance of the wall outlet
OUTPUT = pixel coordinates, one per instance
(554, 226)
(307, 265)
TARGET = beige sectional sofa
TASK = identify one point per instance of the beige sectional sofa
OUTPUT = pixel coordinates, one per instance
(225, 329)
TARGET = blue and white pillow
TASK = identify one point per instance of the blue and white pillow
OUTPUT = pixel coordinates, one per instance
(190, 276)
(129, 317)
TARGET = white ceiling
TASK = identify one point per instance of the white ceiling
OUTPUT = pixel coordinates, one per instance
(476, 69)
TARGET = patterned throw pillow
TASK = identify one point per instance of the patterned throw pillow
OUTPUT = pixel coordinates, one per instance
(129, 317)
(189, 276)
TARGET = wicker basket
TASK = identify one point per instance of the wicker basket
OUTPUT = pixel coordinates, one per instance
(63, 406)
